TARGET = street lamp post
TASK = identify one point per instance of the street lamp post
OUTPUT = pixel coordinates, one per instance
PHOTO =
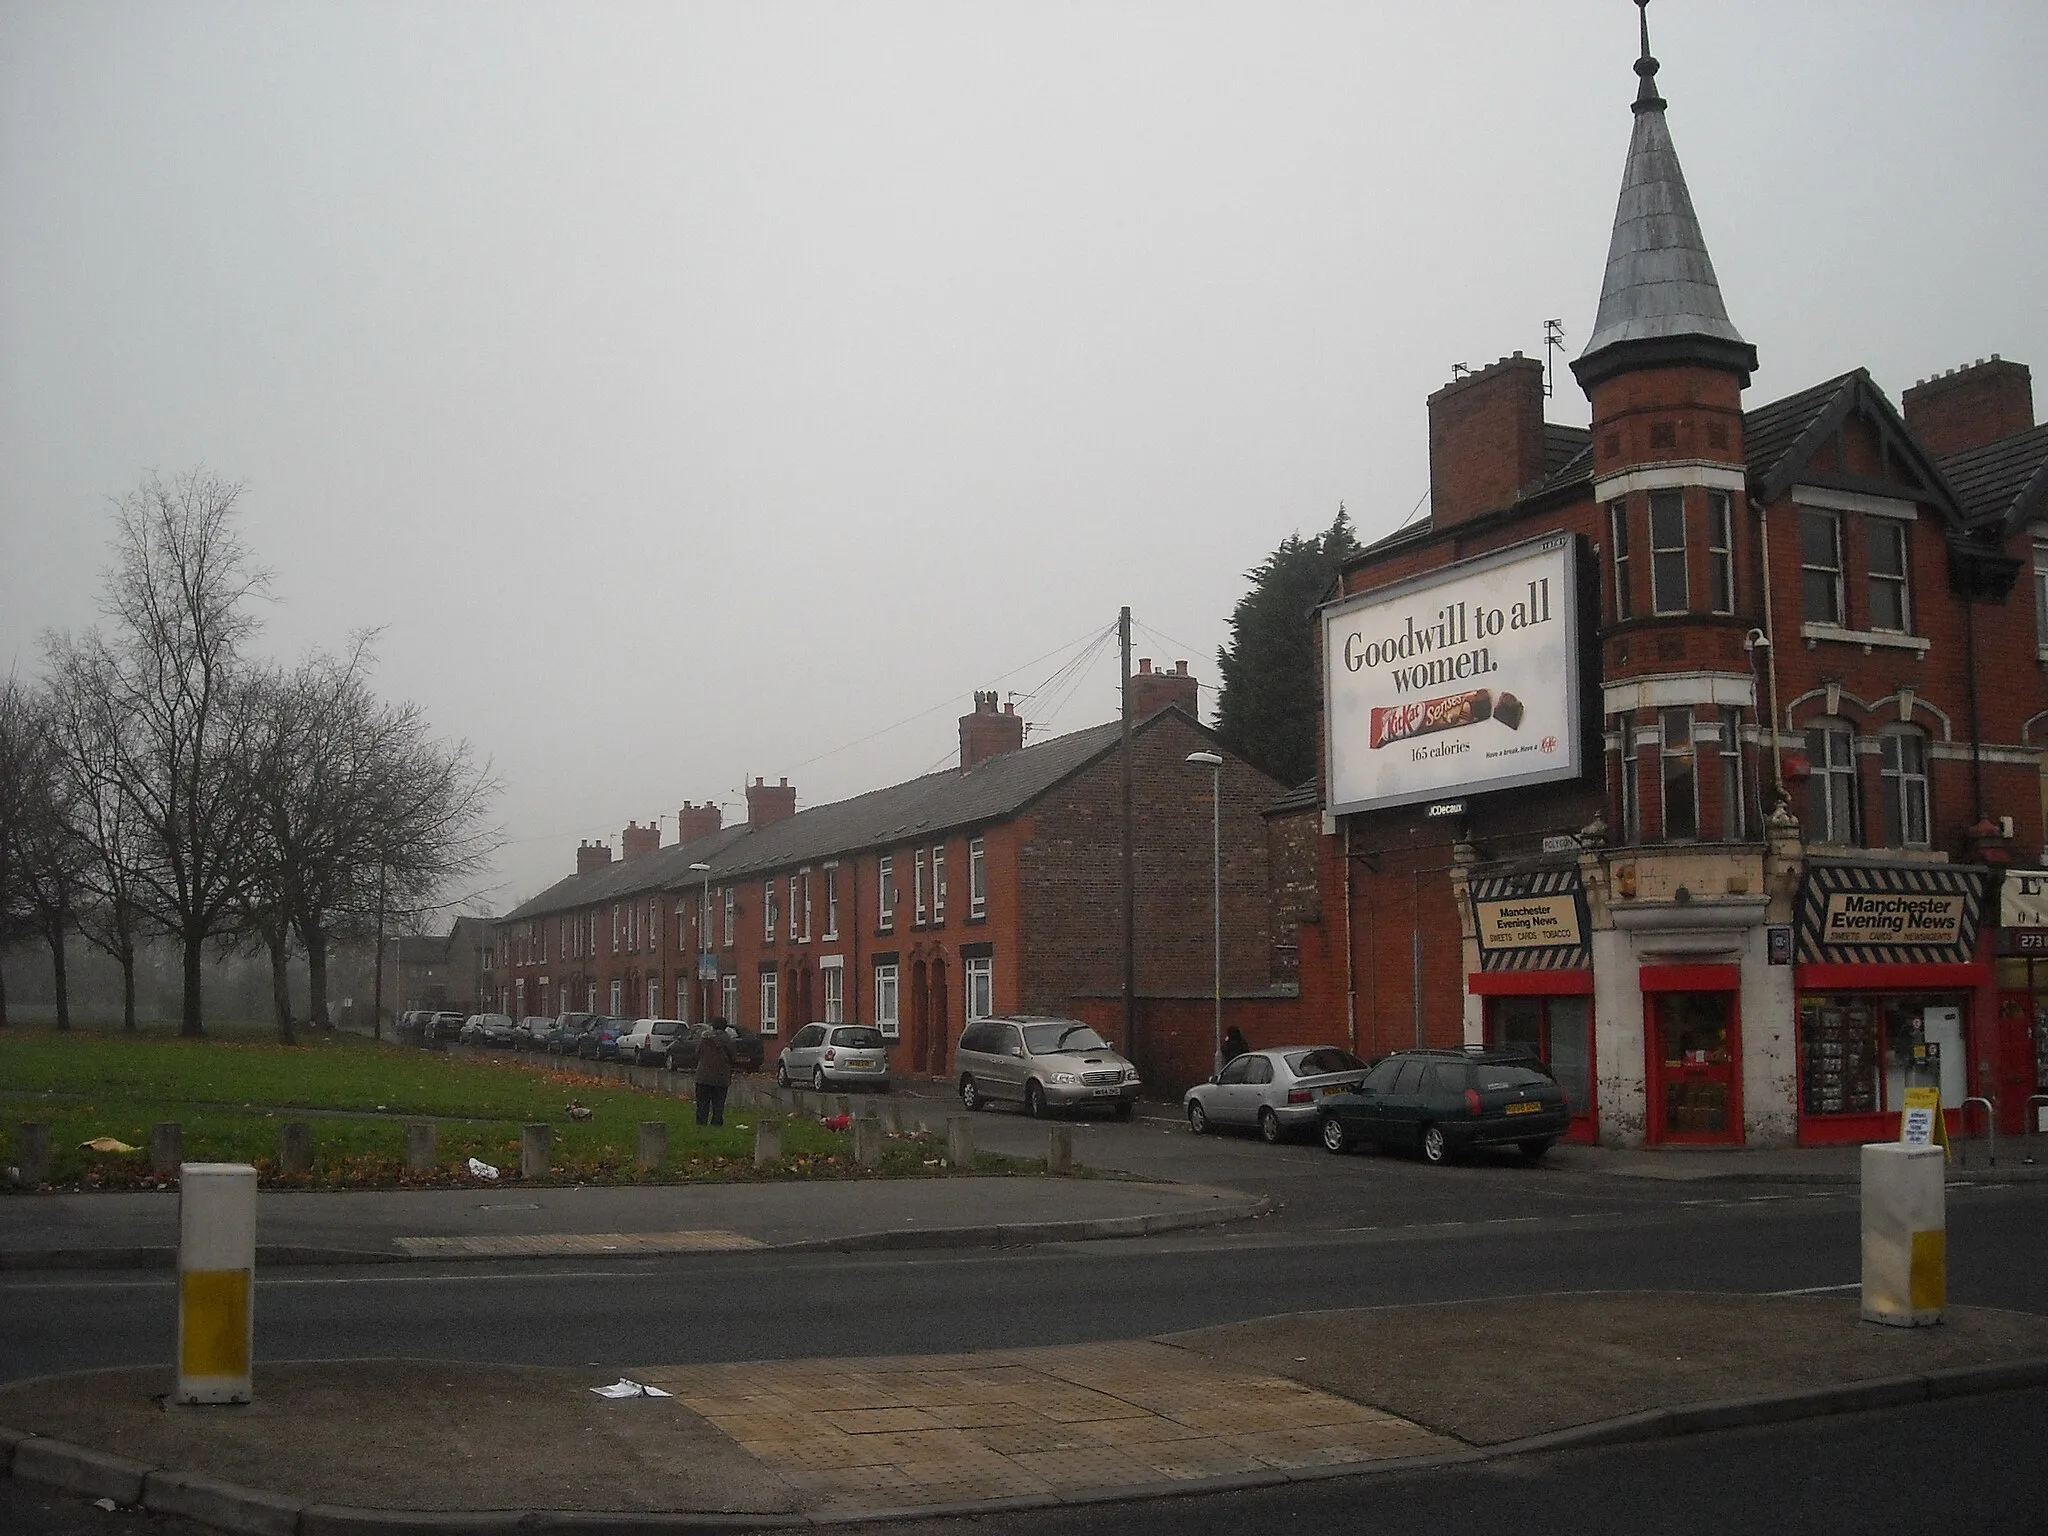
(703, 942)
(1214, 764)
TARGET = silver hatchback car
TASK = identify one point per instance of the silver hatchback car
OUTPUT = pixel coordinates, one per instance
(1276, 1090)
(1044, 1064)
(820, 1055)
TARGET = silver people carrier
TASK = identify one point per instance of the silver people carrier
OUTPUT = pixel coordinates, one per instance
(1043, 1064)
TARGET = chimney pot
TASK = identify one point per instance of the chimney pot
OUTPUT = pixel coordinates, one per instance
(1969, 407)
(988, 731)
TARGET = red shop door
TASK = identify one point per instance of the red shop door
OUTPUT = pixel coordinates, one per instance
(2014, 1069)
(1695, 1067)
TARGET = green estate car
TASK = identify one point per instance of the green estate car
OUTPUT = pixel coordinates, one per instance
(1445, 1102)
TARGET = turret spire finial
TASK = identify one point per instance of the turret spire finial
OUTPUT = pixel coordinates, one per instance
(1647, 99)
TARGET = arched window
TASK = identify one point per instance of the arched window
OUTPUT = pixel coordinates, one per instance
(1832, 812)
(1903, 778)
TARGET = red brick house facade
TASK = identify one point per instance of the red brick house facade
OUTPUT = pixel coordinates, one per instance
(1815, 639)
(993, 887)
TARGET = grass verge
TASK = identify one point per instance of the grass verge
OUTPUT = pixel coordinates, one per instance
(231, 1097)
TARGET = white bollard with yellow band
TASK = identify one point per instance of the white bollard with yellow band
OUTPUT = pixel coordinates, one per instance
(1905, 1234)
(216, 1282)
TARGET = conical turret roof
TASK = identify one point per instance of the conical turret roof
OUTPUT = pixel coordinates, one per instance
(1660, 303)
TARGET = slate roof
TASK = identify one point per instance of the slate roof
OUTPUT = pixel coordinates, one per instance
(1771, 432)
(1659, 286)
(1563, 448)
(917, 809)
(2005, 482)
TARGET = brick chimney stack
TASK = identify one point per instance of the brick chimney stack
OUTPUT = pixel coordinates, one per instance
(1485, 439)
(769, 803)
(592, 856)
(698, 821)
(1153, 691)
(636, 839)
(989, 730)
(1969, 407)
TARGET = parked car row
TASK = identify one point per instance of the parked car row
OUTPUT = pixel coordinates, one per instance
(1437, 1102)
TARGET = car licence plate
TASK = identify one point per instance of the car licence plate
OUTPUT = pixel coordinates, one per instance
(1102, 1093)
(1336, 1088)
(1523, 1107)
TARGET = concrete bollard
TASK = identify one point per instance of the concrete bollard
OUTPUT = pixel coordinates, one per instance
(1905, 1235)
(295, 1148)
(960, 1143)
(1059, 1149)
(867, 1142)
(216, 1282)
(32, 1152)
(653, 1144)
(767, 1142)
(534, 1144)
(166, 1148)
(421, 1154)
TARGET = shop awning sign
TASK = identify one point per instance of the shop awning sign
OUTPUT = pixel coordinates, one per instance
(1889, 914)
(1892, 917)
(1530, 920)
(2023, 903)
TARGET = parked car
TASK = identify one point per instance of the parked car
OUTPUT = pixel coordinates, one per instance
(567, 1031)
(500, 1033)
(445, 1025)
(472, 1031)
(749, 1051)
(1043, 1064)
(647, 1041)
(412, 1025)
(531, 1033)
(1275, 1089)
(600, 1040)
(819, 1055)
(1446, 1102)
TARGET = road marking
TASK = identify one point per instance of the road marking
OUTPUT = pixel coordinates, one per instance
(1817, 1290)
(507, 1245)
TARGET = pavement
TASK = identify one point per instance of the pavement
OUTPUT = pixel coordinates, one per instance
(330, 1448)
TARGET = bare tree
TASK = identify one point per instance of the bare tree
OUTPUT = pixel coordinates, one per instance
(48, 853)
(176, 598)
(86, 736)
(19, 749)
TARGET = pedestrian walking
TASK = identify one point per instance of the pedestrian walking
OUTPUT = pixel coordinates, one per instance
(714, 1074)
(1234, 1043)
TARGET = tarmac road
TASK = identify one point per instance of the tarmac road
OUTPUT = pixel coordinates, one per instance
(619, 1311)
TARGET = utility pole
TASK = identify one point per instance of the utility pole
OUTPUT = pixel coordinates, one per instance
(377, 986)
(1130, 858)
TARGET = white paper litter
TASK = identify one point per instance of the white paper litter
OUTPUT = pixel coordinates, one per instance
(107, 1504)
(624, 1388)
(482, 1169)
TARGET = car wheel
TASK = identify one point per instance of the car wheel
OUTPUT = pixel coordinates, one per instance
(1335, 1137)
(818, 1079)
(1269, 1127)
(782, 1074)
(1034, 1101)
(970, 1093)
(1198, 1121)
(1434, 1148)
(1534, 1150)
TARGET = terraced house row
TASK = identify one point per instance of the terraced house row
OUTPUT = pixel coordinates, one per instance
(991, 887)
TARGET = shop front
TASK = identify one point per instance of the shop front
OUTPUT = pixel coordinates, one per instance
(1692, 1018)
(1534, 984)
(1889, 984)
(2019, 1053)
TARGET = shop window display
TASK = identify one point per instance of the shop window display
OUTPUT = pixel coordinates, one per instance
(1860, 1052)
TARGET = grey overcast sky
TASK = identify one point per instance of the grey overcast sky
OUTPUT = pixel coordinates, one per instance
(698, 391)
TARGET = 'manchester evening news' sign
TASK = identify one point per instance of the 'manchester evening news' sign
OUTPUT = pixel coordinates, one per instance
(1462, 680)
(1528, 922)
(1892, 917)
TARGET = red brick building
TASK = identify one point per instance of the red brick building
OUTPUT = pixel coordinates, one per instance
(1751, 886)
(992, 887)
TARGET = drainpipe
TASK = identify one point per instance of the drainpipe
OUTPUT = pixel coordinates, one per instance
(1976, 724)
(1350, 949)
(1763, 523)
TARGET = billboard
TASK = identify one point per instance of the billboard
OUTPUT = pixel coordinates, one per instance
(1456, 682)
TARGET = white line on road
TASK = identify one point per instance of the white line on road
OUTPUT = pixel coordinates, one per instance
(1817, 1290)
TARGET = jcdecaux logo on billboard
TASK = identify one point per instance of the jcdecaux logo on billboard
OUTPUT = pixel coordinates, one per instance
(1461, 681)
